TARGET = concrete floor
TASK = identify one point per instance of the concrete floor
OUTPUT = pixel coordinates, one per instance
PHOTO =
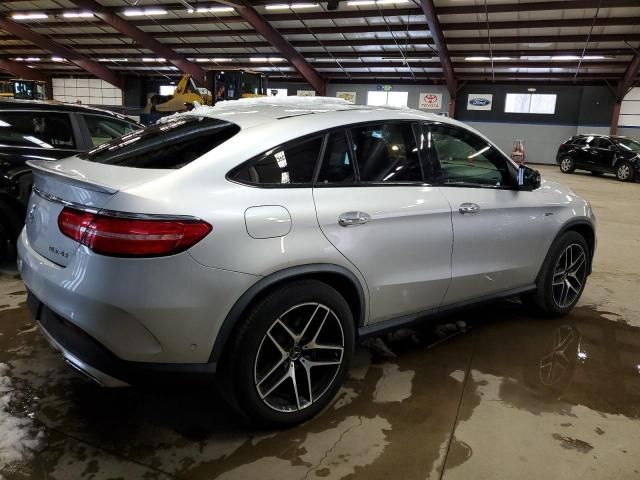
(507, 396)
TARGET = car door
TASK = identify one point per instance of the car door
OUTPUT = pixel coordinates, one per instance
(602, 155)
(497, 228)
(374, 205)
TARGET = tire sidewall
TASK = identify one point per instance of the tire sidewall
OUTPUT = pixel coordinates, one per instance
(256, 325)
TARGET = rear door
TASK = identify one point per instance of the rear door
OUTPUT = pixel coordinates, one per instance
(602, 155)
(497, 228)
(374, 205)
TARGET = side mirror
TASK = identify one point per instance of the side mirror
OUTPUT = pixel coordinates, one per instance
(528, 178)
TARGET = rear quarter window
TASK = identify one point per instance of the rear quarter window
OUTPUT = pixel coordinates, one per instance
(169, 145)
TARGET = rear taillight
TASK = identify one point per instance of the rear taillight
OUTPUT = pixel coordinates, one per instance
(127, 236)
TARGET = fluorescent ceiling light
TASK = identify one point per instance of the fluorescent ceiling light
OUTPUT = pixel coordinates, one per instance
(359, 3)
(211, 10)
(77, 14)
(137, 12)
(58, 59)
(265, 59)
(220, 60)
(29, 16)
(113, 59)
(576, 57)
(149, 59)
(32, 59)
(292, 6)
(485, 59)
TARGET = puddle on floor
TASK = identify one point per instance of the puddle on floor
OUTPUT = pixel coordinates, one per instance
(393, 419)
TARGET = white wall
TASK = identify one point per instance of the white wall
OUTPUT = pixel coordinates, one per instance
(630, 111)
(89, 91)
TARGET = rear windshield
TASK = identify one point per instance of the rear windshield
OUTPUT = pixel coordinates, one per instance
(172, 144)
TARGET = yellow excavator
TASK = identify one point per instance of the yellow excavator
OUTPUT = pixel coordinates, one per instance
(228, 84)
(23, 89)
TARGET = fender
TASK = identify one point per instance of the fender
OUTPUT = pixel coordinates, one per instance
(578, 222)
(263, 284)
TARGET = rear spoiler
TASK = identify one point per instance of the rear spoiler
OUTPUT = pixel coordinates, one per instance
(48, 168)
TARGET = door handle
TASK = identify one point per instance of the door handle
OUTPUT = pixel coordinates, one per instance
(470, 208)
(349, 219)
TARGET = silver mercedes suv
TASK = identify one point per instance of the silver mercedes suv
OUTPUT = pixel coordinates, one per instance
(260, 239)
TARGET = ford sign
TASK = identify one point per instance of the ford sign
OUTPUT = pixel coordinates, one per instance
(479, 102)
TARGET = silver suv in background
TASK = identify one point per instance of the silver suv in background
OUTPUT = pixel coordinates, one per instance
(259, 239)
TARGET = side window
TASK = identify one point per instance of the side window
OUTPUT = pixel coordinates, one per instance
(580, 141)
(337, 164)
(466, 159)
(601, 143)
(292, 164)
(54, 129)
(105, 129)
(386, 153)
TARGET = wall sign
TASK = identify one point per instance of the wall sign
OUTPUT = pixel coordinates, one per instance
(348, 96)
(384, 88)
(306, 93)
(430, 101)
(480, 101)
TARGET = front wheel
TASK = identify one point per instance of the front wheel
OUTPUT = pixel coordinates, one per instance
(563, 275)
(291, 354)
(567, 165)
(625, 172)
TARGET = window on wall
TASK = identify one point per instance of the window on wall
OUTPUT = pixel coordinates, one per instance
(530, 103)
(166, 90)
(397, 99)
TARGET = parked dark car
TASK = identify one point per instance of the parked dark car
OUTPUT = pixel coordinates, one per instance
(44, 131)
(601, 154)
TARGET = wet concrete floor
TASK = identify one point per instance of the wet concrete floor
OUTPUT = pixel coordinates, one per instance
(490, 393)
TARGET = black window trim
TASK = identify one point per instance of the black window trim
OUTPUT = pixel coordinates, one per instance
(296, 141)
(422, 154)
(435, 162)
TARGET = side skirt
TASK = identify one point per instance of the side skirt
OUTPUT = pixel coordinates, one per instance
(428, 315)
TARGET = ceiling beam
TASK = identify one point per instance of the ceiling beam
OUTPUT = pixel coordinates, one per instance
(451, 41)
(429, 10)
(21, 70)
(282, 45)
(535, 6)
(630, 76)
(420, 55)
(411, 27)
(143, 38)
(395, 11)
(44, 43)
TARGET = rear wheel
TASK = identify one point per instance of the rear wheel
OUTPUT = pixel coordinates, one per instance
(567, 165)
(625, 172)
(563, 275)
(291, 354)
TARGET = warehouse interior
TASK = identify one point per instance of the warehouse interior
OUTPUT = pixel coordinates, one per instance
(494, 392)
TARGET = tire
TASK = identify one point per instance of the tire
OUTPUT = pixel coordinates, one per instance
(291, 330)
(625, 172)
(596, 174)
(559, 288)
(567, 165)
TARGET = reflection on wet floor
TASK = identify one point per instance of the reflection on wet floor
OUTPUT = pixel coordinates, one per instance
(447, 394)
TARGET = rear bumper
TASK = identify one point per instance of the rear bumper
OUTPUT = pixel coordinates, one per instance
(97, 362)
